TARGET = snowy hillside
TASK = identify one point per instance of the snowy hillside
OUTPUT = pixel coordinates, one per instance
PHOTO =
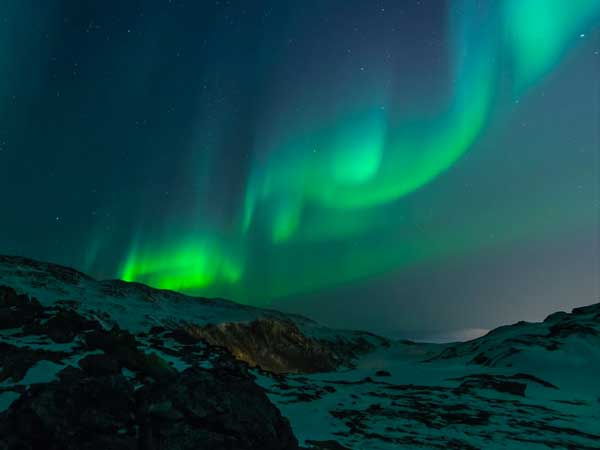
(133, 306)
(523, 386)
(107, 364)
(138, 308)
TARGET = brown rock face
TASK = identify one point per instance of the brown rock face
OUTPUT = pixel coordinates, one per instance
(272, 344)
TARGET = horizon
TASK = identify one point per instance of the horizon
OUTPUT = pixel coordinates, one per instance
(420, 336)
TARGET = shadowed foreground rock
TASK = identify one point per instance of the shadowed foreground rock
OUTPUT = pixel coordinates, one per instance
(199, 409)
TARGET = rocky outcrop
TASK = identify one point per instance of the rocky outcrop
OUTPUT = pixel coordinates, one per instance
(271, 344)
(17, 310)
(279, 346)
(223, 409)
(199, 409)
(272, 340)
(16, 361)
(114, 391)
(175, 386)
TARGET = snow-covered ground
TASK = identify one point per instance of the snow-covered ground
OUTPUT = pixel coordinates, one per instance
(134, 306)
(526, 386)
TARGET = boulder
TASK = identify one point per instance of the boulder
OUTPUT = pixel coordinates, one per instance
(17, 310)
(100, 365)
(63, 326)
(199, 410)
(203, 409)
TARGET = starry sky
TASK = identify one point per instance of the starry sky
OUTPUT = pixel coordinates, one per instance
(416, 168)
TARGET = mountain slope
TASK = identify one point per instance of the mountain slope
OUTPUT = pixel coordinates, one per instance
(92, 364)
(66, 382)
(273, 340)
(561, 335)
(524, 386)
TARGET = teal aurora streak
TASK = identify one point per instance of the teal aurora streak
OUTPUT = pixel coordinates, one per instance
(319, 201)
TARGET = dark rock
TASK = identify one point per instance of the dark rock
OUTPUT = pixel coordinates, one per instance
(534, 379)
(9, 297)
(16, 361)
(123, 348)
(272, 344)
(184, 337)
(98, 365)
(76, 412)
(225, 363)
(7, 319)
(589, 309)
(198, 410)
(112, 341)
(481, 359)
(66, 324)
(565, 329)
(383, 373)
(17, 310)
(221, 410)
(69, 374)
(484, 360)
(150, 365)
(499, 383)
(556, 317)
(157, 330)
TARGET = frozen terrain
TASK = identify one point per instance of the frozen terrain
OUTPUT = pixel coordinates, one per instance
(523, 386)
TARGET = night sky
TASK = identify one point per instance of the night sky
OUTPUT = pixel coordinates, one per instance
(409, 167)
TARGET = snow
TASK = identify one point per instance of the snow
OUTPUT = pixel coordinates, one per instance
(6, 399)
(416, 388)
(133, 306)
(425, 403)
(42, 372)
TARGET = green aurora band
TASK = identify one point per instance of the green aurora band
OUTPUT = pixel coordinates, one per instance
(321, 193)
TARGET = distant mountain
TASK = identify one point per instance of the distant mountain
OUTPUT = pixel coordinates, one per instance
(276, 341)
(87, 364)
(560, 337)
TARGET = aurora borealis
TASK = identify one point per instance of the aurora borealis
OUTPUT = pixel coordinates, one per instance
(291, 153)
